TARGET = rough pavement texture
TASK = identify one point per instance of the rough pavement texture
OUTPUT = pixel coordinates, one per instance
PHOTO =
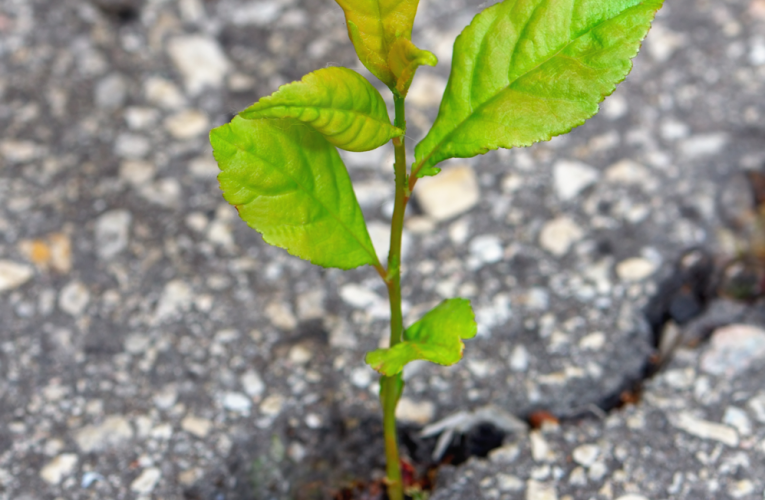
(152, 346)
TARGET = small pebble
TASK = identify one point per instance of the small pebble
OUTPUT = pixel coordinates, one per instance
(733, 349)
(146, 481)
(200, 60)
(450, 193)
(559, 234)
(74, 298)
(586, 454)
(635, 269)
(111, 233)
(571, 178)
(13, 275)
(237, 402)
(419, 412)
(200, 427)
(59, 468)
(253, 384)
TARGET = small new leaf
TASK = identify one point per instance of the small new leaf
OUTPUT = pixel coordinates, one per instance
(289, 184)
(338, 102)
(526, 70)
(437, 337)
(373, 26)
(404, 59)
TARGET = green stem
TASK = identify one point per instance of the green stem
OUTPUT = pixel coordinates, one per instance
(391, 387)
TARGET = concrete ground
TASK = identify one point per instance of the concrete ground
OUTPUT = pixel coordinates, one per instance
(152, 346)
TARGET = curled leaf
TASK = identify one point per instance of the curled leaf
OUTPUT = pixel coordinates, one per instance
(338, 102)
(404, 59)
(373, 26)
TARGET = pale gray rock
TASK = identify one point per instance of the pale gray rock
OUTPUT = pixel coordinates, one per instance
(132, 146)
(177, 297)
(559, 234)
(572, 177)
(486, 249)
(14, 274)
(146, 481)
(112, 233)
(74, 298)
(200, 60)
(163, 93)
(237, 402)
(59, 468)
(253, 384)
(187, 124)
(114, 431)
(733, 349)
(199, 427)
(635, 269)
(703, 145)
(111, 92)
(450, 193)
(16, 151)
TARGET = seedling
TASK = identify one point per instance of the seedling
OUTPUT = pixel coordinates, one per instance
(523, 71)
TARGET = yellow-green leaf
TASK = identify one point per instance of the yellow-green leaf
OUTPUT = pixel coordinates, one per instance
(373, 26)
(289, 183)
(437, 337)
(338, 102)
(526, 70)
(404, 59)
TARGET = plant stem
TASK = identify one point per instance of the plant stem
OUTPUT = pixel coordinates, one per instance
(392, 386)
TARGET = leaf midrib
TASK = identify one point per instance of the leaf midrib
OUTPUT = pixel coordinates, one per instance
(438, 145)
(328, 108)
(375, 260)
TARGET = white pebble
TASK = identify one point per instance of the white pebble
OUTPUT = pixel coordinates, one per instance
(452, 192)
(559, 234)
(237, 402)
(60, 467)
(74, 298)
(112, 230)
(146, 481)
(13, 275)
(571, 178)
(200, 60)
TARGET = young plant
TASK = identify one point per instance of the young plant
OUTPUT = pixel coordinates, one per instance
(523, 71)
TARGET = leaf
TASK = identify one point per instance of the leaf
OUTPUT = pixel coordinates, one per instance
(373, 26)
(404, 59)
(436, 337)
(290, 184)
(338, 102)
(526, 70)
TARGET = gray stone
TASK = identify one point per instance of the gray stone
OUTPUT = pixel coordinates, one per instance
(450, 193)
(112, 432)
(112, 233)
(187, 124)
(177, 297)
(199, 427)
(74, 298)
(237, 402)
(146, 481)
(733, 349)
(59, 468)
(132, 146)
(571, 177)
(13, 274)
(111, 92)
(253, 384)
(559, 234)
(200, 60)
(163, 93)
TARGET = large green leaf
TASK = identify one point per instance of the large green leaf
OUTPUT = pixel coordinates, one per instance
(290, 184)
(437, 337)
(373, 26)
(526, 70)
(338, 102)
